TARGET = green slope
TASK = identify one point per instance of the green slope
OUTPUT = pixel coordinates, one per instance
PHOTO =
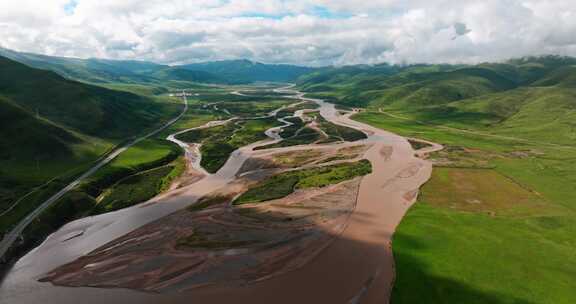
(51, 127)
(24, 136)
(84, 108)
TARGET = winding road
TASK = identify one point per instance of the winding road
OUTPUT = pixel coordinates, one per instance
(358, 267)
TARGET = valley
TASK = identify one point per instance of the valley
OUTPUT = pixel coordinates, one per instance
(361, 235)
(456, 181)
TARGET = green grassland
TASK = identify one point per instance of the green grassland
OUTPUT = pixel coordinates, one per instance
(140, 89)
(494, 223)
(281, 185)
(143, 170)
(139, 173)
(136, 175)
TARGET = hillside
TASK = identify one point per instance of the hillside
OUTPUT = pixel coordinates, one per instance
(84, 108)
(24, 136)
(421, 85)
(50, 125)
(245, 71)
(529, 97)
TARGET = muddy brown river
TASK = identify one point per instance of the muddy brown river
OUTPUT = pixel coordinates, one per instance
(356, 268)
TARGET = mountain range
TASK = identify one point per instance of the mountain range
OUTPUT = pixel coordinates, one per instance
(143, 72)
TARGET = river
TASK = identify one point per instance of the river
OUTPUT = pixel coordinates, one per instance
(357, 267)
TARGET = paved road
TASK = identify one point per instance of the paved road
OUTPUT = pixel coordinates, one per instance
(15, 233)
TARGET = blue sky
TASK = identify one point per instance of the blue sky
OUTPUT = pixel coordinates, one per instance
(307, 32)
(70, 7)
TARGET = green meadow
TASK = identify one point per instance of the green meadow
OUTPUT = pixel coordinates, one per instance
(493, 225)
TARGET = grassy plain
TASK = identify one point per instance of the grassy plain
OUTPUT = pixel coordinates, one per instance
(493, 225)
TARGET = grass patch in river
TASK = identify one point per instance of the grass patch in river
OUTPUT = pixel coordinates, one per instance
(283, 184)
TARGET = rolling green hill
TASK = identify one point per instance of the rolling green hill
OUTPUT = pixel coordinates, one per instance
(530, 97)
(404, 86)
(84, 108)
(52, 127)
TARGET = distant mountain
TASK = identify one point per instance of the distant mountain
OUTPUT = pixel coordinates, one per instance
(245, 71)
(182, 74)
(89, 70)
(109, 71)
(143, 72)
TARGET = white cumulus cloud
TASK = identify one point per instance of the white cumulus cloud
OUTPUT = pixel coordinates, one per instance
(315, 32)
